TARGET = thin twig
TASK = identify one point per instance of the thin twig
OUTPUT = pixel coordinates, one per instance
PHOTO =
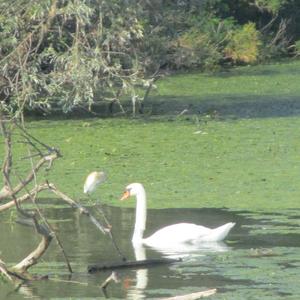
(81, 208)
(110, 234)
(50, 149)
(113, 277)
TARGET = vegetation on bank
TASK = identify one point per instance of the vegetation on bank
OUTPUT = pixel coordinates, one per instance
(57, 55)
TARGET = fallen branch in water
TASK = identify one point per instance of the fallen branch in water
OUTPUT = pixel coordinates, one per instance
(192, 296)
(4, 271)
(113, 277)
(33, 257)
(130, 264)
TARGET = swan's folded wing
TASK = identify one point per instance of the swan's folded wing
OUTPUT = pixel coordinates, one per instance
(176, 234)
(217, 234)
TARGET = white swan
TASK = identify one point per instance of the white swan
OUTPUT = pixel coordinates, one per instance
(173, 235)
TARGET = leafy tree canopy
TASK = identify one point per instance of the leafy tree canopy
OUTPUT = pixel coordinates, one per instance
(61, 54)
(67, 53)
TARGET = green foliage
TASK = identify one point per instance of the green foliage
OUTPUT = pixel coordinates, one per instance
(63, 54)
(243, 45)
(201, 46)
(297, 47)
(68, 53)
(271, 5)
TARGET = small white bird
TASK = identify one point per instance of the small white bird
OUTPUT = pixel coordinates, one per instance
(92, 181)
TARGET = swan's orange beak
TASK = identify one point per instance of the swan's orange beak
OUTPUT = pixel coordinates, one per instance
(126, 195)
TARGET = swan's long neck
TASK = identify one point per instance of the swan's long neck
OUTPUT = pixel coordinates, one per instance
(140, 217)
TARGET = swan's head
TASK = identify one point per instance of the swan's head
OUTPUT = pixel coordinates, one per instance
(132, 189)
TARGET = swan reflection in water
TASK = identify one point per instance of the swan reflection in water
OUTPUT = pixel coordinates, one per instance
(186, 252)
(137, 292)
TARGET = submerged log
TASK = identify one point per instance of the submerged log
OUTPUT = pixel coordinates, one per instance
(130, 264)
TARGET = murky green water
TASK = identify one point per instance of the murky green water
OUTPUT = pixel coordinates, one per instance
(191, 162)
(260, 259)
(233, 157)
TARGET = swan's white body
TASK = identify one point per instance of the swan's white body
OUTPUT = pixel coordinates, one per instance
(176, 234)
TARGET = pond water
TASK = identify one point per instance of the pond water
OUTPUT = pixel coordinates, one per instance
(237, 148)
(260, 258)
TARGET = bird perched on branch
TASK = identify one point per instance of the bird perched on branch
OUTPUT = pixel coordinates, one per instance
(90, 184)
(92, 181)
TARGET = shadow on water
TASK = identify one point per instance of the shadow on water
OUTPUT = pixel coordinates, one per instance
(234, 266)
(223, 106)
(230, 106)
(264, 70)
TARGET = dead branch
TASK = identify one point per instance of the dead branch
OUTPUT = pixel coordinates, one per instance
(107, 281)
(131, 264)
(58, 241)
(34, 256)
(52, 232)
(85, 211)
(51, 187)
(43, 230)
(31, 137)
(193, 296)
(4, 271)
(280, 32)
(8, 274)
(46, 159)
(113, 277)
(81, 208)
(25, 197)
(110, 234)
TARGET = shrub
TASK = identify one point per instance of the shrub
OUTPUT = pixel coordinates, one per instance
(243, 44)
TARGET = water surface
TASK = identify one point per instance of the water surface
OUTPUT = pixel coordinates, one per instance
(259, 260)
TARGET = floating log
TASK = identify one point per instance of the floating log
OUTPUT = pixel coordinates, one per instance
(130, 264)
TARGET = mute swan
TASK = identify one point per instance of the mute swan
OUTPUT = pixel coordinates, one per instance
(92, 181)
(171, 235)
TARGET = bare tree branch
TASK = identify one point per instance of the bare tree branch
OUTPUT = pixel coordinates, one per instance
(43, 230)
(46, 159)
(34, 256)
(4, 271)
(82, 209)
(51, 230)
(25, 197)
